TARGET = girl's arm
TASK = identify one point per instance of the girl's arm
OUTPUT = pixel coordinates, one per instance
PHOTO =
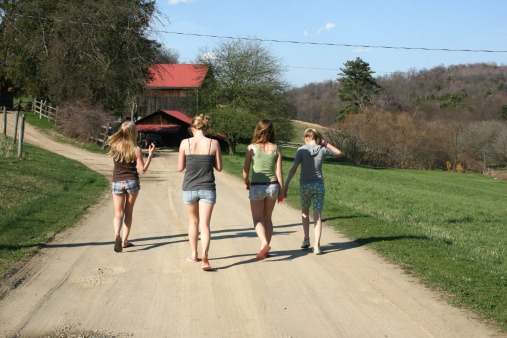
(181, 157)
(218, 155)
(337, 152)
(246, 167)
(292, 172)
(141, 165)
(279, 175)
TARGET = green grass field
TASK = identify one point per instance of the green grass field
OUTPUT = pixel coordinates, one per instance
(447, 229)
(40, 195)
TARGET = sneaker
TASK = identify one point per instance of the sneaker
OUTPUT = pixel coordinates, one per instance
(117, 243)
(316, 250)
(306, 244)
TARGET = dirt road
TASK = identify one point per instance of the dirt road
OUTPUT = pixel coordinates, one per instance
(78, 284)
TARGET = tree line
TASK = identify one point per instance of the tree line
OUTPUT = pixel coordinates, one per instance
(451, 118)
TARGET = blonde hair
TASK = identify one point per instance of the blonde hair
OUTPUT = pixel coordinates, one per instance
(264, 132)
(123, 143)
(201, 122)
(312, 134)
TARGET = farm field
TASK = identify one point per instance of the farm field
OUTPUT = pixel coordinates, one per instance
(448, 229)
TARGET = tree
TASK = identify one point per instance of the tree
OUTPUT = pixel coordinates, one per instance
(235, 124)
(358, 86)
(245, 79)
(88, 51)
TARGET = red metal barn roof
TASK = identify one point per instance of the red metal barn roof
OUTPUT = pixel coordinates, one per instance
(177, 75)
(154, 128)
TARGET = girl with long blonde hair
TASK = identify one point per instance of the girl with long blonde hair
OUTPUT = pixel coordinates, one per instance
(311, 182)
(266, 185)
(128, 158)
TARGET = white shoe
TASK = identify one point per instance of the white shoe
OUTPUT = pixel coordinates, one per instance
(306, 244)
(316, 250)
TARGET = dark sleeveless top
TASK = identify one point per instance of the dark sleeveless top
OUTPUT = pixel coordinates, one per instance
(199, 174)
(124, 171)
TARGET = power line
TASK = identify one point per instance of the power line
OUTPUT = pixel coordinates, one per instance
(285, 41)
(334, 44)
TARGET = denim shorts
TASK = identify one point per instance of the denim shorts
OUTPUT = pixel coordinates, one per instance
(315, 192)
(260, 192)
(194, 196)
(125, 187)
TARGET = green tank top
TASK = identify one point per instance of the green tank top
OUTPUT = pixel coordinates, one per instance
(263, 165)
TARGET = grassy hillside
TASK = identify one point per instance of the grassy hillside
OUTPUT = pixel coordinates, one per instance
(41, 194)
(447, 229)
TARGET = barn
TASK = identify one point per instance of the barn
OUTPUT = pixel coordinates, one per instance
(173, 87)
(169, 126)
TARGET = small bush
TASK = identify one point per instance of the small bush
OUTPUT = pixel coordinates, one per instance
(83, 123)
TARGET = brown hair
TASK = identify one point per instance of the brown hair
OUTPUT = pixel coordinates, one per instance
(312, 134)
(264, 132)
(123, 143)
(201, 122)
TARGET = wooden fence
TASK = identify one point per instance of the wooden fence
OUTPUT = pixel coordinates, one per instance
(42, 108)
(101, 140)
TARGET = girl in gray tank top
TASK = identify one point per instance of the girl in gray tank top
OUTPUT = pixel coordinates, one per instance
(199, 155)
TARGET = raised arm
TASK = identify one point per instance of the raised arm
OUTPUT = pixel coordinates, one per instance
(141, 165)
(337, 152)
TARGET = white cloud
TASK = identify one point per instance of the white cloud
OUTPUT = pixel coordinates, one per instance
(305, 33)
(362, 50)
(208, 56)
(175, 2)
(327, 27)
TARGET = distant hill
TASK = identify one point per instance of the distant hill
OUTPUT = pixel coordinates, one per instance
(473, 92)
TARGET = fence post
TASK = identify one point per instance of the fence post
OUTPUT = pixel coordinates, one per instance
(21, 136)
(106, 134)
(16, 127)
(5, 121)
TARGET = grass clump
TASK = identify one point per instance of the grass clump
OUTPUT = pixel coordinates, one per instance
(41, 194)
(447, 229)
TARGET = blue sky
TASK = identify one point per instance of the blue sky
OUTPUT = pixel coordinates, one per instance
(444, 24)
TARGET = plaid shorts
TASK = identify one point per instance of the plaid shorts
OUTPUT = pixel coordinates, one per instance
(312, 191)
(125, 187)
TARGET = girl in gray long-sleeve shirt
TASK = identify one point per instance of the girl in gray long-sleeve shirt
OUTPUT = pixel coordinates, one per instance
(311, 182)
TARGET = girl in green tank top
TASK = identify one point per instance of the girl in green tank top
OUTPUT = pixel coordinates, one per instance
(266, 186)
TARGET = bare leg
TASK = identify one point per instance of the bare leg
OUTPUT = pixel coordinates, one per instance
(318, 226)
(269, 206)
(205, 210)
(129, 210)
(119, 212)
(193, 228)
(305, 217)
(257, 216)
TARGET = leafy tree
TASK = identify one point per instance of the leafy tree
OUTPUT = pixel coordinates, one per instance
(88, 51)
(235, 124)
(245, 79)
(358, 86)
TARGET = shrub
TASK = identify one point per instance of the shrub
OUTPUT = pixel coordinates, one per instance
(83, 123)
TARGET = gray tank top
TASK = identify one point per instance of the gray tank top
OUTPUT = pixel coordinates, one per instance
(199, 173)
